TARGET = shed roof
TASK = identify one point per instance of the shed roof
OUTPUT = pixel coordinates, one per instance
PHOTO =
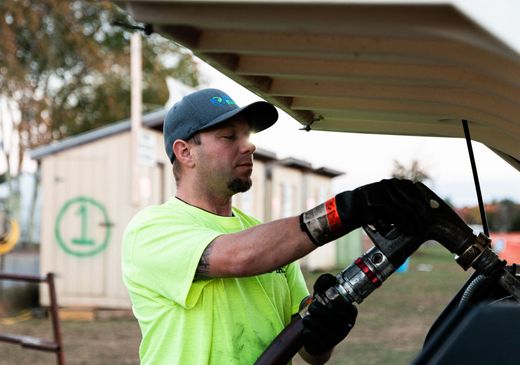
(264, 155)
(152, 120)
(307, 167)
(296, 163)
(403, 68)
(328, 172)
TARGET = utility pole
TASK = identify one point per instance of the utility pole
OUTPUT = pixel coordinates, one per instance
(136, 114)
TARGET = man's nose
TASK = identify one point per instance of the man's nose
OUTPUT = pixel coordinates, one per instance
(248, 146)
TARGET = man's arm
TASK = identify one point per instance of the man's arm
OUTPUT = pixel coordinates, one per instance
(266, 247)
(255, 251)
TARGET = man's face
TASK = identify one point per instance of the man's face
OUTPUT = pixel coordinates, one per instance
(225, 156)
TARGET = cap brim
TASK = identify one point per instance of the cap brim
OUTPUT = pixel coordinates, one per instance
(260, 115)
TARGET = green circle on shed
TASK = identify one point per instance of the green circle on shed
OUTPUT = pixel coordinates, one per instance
(84, 242)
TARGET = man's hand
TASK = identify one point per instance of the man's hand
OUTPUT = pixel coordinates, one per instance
(393, 201)
(388, 202)
(326, 326)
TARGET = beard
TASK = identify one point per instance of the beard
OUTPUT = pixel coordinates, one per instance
(239, 185)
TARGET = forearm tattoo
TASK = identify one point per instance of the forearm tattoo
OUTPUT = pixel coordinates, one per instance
(203, 267)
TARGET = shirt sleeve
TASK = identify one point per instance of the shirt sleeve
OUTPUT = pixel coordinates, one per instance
(297, 286)
(162, 257)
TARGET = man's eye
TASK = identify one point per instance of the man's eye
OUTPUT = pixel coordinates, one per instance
(231, 137)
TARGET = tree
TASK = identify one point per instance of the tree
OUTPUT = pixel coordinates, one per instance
(414, 172)
(66, 67)
(514, 226)
(503, 216)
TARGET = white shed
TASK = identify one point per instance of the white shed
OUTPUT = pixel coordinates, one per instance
(87, 202)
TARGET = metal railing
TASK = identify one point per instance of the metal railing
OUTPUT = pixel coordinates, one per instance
(35, 343)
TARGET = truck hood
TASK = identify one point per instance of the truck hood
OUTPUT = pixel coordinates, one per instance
(400, 69)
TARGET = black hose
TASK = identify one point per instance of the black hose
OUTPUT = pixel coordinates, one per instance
(284, 346)
(473, 286)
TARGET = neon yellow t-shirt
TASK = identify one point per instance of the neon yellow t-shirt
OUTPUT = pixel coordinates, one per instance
(217, 321)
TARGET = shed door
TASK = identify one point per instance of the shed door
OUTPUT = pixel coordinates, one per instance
(82, 227)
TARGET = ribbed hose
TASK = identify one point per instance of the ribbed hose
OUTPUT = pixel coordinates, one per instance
(284, 346)
(471, 288)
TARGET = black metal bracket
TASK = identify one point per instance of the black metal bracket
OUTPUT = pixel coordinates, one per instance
(483, 217)
(147, 29)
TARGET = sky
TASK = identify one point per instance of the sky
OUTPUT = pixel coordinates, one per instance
(367, 158)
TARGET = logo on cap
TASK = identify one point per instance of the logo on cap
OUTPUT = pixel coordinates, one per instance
(218, 100)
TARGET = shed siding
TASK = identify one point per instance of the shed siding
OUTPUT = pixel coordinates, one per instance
(287, 190)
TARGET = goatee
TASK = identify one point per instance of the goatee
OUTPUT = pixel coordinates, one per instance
(239, 185)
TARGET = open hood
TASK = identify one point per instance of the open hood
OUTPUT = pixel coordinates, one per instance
(402, 69)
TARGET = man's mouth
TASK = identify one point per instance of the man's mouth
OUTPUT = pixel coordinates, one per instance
(245, 164)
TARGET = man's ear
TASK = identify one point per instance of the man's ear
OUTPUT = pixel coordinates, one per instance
(183, 152)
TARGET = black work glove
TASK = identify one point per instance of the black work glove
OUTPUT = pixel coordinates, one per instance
(383, 204)
(326, 326)
(391, 201)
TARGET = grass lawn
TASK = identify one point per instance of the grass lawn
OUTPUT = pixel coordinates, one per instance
(390, 329)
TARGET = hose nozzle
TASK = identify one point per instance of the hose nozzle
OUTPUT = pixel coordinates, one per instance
(446, 227)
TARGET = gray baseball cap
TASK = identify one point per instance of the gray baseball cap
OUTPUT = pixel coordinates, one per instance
(206, 108)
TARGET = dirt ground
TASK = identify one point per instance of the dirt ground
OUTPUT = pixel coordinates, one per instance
(96, 342)
(390, 328)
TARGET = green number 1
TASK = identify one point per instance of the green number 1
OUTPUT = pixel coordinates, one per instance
(83, 239)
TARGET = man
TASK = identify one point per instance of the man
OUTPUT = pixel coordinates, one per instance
(210, 284)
